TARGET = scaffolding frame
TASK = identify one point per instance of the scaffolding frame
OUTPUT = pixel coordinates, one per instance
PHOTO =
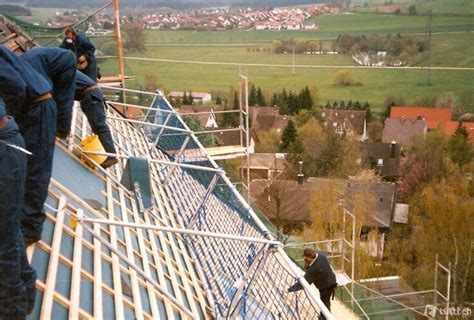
(343, 244)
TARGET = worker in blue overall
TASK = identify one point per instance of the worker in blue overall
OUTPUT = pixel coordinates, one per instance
(58, 68)
(84, 49)
(37, 122)
(93, 106)
(17, 278)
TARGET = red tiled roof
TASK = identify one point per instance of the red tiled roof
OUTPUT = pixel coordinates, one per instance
(433, 116)
(449, 127)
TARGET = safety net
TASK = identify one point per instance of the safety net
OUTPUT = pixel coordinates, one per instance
(245, 277)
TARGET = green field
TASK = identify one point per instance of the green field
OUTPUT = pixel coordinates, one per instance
(377, 83)
(330, 27)
(454, 7)
(448, 50)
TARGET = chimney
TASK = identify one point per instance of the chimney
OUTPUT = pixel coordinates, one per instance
(393, 149)
(300, 179)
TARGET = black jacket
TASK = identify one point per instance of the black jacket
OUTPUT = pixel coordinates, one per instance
(319, 273)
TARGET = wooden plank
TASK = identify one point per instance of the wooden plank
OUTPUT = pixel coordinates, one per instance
(179, 270)
(47, 306)
(98, 310)
(151, 291)
(75, 294)
(133, 275)
(116, 278)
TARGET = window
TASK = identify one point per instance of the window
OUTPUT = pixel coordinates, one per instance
(380, 162)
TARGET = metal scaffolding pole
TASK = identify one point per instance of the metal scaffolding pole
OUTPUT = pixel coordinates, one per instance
(182, 231)
(118, 38)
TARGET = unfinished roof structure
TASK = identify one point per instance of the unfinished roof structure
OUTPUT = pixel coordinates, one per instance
(198, 252)
(195, 251)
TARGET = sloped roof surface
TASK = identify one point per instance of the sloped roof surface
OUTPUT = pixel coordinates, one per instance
(433, 116)
(402, 131)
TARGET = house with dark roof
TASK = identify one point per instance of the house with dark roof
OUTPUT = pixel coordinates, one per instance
(403, 131)
(266, 118)
(289, 201)
(264, 165)
(351, 122)
(204, 115)
(287, 204)
(235, 138)
(383, 157)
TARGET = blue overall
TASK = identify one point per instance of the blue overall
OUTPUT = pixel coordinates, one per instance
(84, 47)
(17, 278)
(58, 68)
(92, 104)
(37, 123)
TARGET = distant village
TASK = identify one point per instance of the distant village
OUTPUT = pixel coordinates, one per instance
(208, 19)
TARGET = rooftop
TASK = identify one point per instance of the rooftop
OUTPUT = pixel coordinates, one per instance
(433, 116)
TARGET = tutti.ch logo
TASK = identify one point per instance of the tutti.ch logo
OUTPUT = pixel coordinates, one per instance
(431, 311)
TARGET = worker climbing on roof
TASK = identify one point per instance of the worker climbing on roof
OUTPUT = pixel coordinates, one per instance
(319, 273)
(84, 49)
(50, 116)
(17, 278)
(93, 106)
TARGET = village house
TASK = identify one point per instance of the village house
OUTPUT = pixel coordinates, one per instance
(267, 118)
(264, 165)
(403, 131)
(349, 122)
(383, 157)
(204, 115)
(198, 97)
(286, 203)
(433, 116)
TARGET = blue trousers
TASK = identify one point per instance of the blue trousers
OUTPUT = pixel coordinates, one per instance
(38, 128)
(17, 278)
(94, 110)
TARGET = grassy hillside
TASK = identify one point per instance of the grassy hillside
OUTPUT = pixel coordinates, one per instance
(438, 7)
(330, 27)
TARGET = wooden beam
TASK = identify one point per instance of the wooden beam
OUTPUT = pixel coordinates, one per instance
(47, 305)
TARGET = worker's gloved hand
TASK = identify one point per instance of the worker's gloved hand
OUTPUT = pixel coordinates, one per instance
(62, 135)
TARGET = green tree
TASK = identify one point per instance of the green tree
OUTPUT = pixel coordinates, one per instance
(288, 137)
(305, 100)
(260, 98)
(274, 100)
(412, 9)
(459, 147)
(134, 38)
(253, 99)
(218, 100)
(344, 78)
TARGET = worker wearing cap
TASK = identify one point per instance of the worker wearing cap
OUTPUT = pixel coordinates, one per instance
(93, 106)
(319, 273)
(17, 278)
(84, 49)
